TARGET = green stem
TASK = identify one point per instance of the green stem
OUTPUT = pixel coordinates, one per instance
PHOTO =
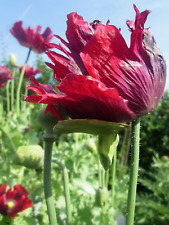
(25, 103)
(107, 178)
(67, 196)
(8, 97)
(133, 172)
(1, 109)
(66, 190)
(99, 171)
(47, 182)
(20, 83)
(102, 178)
(12, 88)
(113, 176)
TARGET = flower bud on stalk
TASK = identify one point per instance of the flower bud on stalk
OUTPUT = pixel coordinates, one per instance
(30, 156)
(102, 196)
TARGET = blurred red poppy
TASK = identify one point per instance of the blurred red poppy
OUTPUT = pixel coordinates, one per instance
(14, 200)
(29, 71)
(32, 38)
(100, 76)
(4, 75)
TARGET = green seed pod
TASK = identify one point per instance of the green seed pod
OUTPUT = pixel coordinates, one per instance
(102, 196)
(30, 156)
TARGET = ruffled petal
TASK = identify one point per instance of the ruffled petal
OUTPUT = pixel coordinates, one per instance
(78, 32)
(2, 189)
(130, 70)
(88, 98)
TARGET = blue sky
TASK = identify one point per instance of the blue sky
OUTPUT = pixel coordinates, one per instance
(53, 13)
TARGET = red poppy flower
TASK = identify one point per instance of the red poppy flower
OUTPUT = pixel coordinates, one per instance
(14, 200)
(29, 71)
(101, 77)
(32, 38)
(4, 75)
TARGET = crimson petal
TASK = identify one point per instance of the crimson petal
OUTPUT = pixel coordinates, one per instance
(137, 73)
(93, 100)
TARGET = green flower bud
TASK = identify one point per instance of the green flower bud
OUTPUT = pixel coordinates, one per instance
(165, 158)
(12, 60)
(30, 156)
(102, 196)
(91, 146)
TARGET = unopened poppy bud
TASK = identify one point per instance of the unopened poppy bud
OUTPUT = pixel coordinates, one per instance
(102, 196)
(30, 156)
(165, 158)
(75, 136)
(91, 146)
(12, 60)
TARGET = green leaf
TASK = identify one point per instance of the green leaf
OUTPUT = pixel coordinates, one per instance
(90, 126)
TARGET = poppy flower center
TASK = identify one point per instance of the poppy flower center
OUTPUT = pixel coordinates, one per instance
(10, 205)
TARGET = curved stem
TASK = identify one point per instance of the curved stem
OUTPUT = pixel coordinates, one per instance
(133, 172)
(20, 83)
(47, 182)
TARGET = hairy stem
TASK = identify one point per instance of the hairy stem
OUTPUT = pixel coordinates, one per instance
(133, 172)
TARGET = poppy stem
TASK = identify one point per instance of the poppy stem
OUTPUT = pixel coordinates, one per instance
(66, 190)
(102, 178)
(113, 171)
(99, 171)
(8, 96)
(12, 88)
(107, 178)
(134, 166)
(47, 181)
(20, 83)
(67, 195)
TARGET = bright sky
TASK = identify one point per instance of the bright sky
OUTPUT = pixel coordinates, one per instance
(53, 13)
